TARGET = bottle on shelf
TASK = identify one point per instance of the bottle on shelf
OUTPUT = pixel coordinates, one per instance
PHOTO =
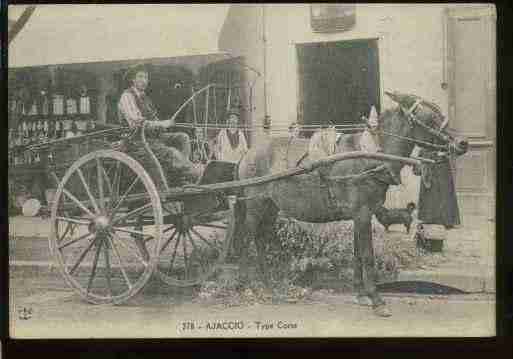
(58, 105)
(25, 129)
(71, 106)
(26, 157)
(19, 135)
(90, 125)
(33, 109)
(75, 127)
(40, 131)
(85, 104)
(46, 129)
(51, 130)
(72, 130)
(44, 106)
(59, 129)
(11, 138)
(35, 133)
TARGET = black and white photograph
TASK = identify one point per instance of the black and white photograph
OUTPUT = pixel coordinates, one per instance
(251, 170)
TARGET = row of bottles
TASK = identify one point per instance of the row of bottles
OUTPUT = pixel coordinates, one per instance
(40, 131)
(55, 105)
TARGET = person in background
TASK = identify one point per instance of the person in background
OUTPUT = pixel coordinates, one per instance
(369, 140)
(231, 144)
(323, 143)
(294, 130)
(438, 203)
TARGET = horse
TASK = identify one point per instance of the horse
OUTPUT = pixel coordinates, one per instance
(335, 193)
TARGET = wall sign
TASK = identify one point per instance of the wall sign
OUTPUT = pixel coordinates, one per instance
(332, 17)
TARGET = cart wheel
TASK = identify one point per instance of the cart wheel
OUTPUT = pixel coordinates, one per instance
(92, 229)
(194, 247)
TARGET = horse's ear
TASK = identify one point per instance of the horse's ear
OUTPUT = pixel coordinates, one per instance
(401, 99)
(394, 96)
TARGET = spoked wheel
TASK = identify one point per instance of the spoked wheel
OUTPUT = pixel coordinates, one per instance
(93, 237)
(194, 246)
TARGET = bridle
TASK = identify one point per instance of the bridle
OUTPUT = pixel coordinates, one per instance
(414, 121)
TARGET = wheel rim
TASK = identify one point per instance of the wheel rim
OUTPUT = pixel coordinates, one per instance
(194, 246)
(93, 239)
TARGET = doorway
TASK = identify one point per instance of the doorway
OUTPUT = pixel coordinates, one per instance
(472, 104)
(338, 81)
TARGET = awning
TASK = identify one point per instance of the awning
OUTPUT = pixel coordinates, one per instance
(74, 34)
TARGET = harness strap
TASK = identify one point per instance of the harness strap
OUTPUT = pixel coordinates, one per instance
(413, 107)
(444, 124)
(413, 120)
(325, 182)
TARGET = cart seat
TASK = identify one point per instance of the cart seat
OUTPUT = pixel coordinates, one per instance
(218, 171)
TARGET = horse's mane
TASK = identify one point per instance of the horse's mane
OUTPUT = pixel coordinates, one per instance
(412, 98)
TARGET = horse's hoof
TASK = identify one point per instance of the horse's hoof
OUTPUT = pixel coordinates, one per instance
(382, 311)
(363, 300)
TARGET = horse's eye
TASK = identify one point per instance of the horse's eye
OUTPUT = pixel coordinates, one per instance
(178, 85)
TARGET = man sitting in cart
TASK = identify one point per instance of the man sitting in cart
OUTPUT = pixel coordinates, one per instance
(173, 151)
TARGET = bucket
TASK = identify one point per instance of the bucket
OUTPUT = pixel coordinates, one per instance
(431, 237)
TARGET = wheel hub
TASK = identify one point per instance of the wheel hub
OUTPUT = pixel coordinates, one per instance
(101, 223)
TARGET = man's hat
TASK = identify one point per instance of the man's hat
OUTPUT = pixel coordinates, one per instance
(133, 70)
(233, 111)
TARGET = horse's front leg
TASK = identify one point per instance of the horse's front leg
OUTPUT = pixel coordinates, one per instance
(365, 260)
(264, 237)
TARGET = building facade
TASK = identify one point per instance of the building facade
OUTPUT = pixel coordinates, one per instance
(316, 76)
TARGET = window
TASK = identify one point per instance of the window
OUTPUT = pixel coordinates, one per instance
(338, 82)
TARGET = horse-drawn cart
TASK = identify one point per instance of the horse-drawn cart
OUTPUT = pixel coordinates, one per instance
(107, 205)
(114, 223)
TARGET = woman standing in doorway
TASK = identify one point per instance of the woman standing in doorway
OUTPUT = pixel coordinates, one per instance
(231, 144)
(438, 203)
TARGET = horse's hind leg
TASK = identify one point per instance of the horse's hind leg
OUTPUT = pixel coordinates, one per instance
(365, 257)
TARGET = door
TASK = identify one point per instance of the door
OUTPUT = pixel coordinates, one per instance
(471, 50)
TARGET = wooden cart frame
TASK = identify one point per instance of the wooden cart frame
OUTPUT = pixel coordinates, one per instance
(113, 226)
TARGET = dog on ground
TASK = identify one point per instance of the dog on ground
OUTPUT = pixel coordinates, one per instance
(387, 217)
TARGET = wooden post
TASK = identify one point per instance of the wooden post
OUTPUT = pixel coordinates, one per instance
(194, 106)
(206, 105)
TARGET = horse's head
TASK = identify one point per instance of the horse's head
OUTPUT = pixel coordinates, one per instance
(422, 123)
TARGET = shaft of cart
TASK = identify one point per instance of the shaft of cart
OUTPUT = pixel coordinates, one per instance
(178, 193)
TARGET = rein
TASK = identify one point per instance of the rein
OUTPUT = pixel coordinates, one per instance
(412, 140)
